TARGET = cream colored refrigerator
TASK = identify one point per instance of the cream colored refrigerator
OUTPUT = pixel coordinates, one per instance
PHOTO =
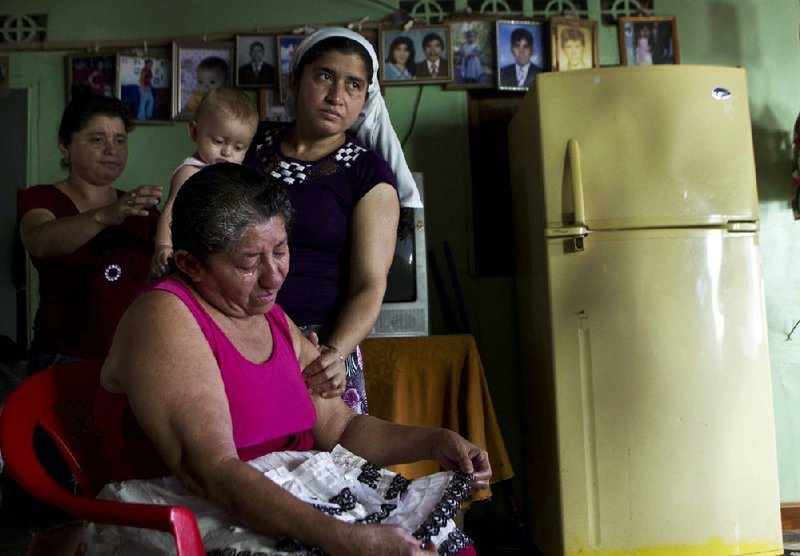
(641, 308)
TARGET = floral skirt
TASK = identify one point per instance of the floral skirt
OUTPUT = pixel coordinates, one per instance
(355, 388)
(337, 483)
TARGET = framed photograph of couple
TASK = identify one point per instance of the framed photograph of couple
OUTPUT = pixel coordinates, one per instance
(144, 84)
(255, 61)
(472, 51)
(520, 53)
(419, 54)
(646, 40)
(573, 43)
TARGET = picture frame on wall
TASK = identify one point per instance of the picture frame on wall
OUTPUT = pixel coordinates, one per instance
(198, 67)
(269, 110)
(144, 83)
(646, 40)
(5, 75)
(91, 73)
(256, 61)
(520, 48)
(421, 54)
(573, 43)
(472, 51)
(287, 44)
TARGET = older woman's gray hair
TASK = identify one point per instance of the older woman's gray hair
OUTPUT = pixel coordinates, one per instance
(216, 207)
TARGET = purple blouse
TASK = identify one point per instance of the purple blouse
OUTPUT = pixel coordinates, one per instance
(323, 194)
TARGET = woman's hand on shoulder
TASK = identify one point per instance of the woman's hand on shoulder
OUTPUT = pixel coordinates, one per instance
(454, 452)
(136, 202)
(326, 374)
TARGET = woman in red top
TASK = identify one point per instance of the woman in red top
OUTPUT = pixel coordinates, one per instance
(90, 243)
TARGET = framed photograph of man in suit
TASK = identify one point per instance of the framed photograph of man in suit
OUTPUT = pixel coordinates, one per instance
(255, 61)
(520, 53)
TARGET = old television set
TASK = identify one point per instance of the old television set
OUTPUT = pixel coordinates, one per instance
(404, 311)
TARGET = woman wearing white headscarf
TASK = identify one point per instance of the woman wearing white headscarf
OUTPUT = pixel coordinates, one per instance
(346, 196)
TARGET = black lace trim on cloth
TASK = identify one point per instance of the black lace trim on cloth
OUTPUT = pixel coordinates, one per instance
(234, 552)
(456, 542)
(292, 545)
(370, 473)
(378, 517)
(397, 487)
(345, 502)
(456, 491)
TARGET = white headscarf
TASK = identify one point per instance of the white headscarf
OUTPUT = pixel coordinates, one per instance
(372, 126)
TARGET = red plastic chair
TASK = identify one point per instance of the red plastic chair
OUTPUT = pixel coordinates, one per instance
(60, 401)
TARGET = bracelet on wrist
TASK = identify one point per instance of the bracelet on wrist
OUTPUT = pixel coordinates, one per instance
(331, 347)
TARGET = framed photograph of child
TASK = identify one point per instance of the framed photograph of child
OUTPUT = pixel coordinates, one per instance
(196, 69)
(520, 53)
(645, 40)
(419, 54)
(472, 52)
(287, 44)
(255, 61)
(144, 84)
(91, 73)
(573, 43)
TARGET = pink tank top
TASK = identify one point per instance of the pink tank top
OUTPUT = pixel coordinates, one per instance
(270, 407)
(269, 402)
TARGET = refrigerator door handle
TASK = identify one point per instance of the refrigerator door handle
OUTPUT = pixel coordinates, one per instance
(742, 227)
(574, 155)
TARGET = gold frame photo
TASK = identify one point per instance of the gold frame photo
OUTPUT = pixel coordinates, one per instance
(188, 58)
(417, 70)
(573, 43)
(647, 40)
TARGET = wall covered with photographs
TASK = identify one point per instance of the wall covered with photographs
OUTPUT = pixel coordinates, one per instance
(432, 118)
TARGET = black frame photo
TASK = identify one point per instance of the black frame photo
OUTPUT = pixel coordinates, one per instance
(91, 73)
(473, 54)
(256, 61)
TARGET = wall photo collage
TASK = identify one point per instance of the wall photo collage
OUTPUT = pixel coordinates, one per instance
(166, 85)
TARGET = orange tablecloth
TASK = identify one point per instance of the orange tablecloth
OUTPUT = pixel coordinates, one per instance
(436, 381)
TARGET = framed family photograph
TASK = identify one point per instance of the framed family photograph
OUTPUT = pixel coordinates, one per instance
(143, 83)
(91, 73)
(646, 40)
(472, 51)
(520, 53)
(573, 43)
(196, 69)
(419, 54)
(255, 61)
(287, 44)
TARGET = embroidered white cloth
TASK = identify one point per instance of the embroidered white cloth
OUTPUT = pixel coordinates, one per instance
(338, 483)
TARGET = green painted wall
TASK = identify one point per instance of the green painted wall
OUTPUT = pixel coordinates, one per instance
(761, 35)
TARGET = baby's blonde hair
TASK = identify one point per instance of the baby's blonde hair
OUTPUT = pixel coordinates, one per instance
(233, 102)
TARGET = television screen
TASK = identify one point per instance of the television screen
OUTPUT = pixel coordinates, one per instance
(401, 283)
